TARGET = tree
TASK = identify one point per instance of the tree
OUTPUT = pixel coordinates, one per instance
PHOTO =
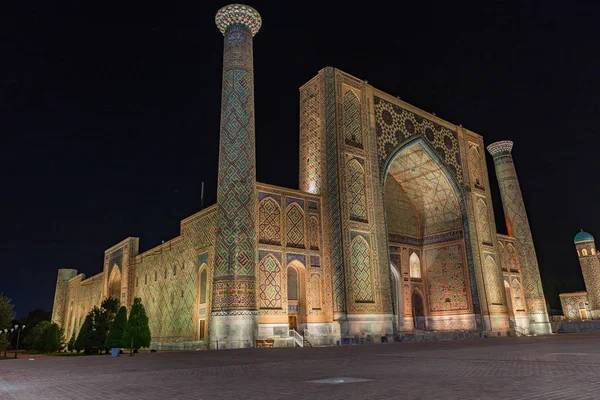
(116, 330)
(4, 344)
(32, 319)
(7, 312)
(48, 337)
(71, 344)
(111, 305)
(83, 338)
(137, 331)
(36, 335)
(53, 338)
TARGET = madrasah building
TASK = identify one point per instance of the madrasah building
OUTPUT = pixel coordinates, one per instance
(391, 230)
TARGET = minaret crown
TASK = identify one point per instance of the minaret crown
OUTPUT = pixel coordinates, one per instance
(239, 14)
(500, 148)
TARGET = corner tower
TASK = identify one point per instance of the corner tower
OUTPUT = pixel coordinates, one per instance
(518, 226)
(590, 268)
(234, 318)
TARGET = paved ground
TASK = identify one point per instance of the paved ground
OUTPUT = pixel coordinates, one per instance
(556, 367)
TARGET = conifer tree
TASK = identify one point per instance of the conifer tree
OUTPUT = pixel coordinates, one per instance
(116, 330)
(71, 344)
(137, 331)
(83, 338)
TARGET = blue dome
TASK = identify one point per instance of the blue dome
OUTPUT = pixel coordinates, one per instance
(583, 237)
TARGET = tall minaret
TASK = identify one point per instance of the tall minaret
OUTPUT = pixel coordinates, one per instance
(518, 226)
(234, 317)
(590, 268)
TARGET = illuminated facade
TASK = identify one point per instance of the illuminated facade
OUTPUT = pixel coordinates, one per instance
(392, 230)
(584, 305)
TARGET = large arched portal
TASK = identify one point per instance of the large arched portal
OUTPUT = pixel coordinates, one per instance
(114, 283)
(425, 221)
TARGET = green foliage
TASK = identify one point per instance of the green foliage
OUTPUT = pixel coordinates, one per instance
(4, 344)
(116, 330)
(94, 331)
(71, 344)
(7, 312)
(31, 321)
(111, 305)
(137, 331)
(47, 336)
(83, 338)
(100, 325)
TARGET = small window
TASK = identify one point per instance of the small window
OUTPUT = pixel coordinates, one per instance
(145, 279)
(182, 293)
(155, 276)
(415, 266)
(137, 282)
(203, 286)
(584, 252)
(174, 269)
(593, 251)
(165, 274)
(292, 282)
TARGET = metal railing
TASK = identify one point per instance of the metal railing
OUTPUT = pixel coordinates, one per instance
(298, 339)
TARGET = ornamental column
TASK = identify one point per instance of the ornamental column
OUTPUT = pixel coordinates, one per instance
(518, 226)
(234, 317)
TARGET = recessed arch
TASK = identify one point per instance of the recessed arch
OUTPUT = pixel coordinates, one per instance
(297, 308)
(114, 283)
(450, 217)
(415, 265)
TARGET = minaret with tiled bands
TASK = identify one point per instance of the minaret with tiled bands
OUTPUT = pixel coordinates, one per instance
(234, 318)
(518, 226)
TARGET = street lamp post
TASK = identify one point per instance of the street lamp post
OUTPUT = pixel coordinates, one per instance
(18, 329)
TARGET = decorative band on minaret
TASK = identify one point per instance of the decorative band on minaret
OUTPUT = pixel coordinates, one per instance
(234, 317)
(518, 226)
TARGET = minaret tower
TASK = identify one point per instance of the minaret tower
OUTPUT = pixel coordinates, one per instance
(590, 268)
(518, 226)
(234, 318)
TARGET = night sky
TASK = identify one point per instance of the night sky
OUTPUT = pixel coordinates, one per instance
(113, 114)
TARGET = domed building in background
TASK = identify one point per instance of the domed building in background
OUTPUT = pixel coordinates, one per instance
(584, 305)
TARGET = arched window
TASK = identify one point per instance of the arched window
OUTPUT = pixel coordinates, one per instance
(584, 252)
(292, 284)
(415, 266)
(155, 276)
(203, 279)
(593, 251)
(145, 279)
(174, 269)
(165, 274)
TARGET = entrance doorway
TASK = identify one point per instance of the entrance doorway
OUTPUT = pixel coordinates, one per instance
(201, 329)
(418, 310)
(292, 322)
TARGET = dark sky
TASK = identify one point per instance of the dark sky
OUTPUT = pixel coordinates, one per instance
(113, 113)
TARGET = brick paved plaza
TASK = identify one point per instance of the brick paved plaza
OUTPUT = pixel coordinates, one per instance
(556, 367)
